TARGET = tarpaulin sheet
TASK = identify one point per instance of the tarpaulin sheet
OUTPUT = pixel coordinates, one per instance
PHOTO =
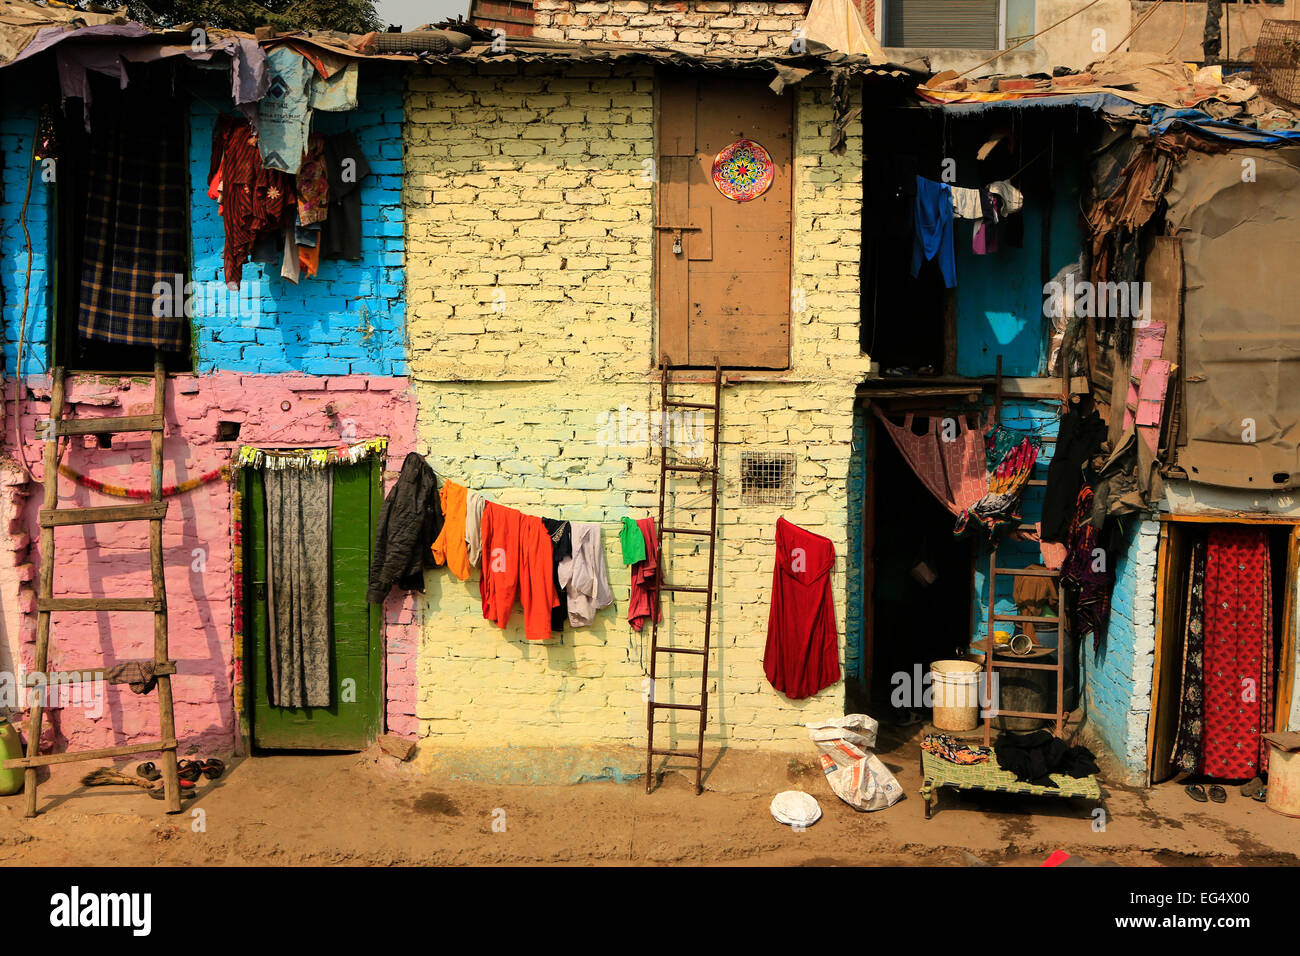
(1238, 216)
(1163, 119)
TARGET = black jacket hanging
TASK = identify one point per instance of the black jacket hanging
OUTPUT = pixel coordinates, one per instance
(1077, 440)
(408, 524)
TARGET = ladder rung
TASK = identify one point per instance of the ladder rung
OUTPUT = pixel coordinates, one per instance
(706, 405)
(1026, 618)
(675, 706)
(1021, 713)
(699, 469)
(99, 604)
(108, 426)
(686, 531)
(123, 751)
(1026, 572)
(60, 517)
(679, 650)
(88, 674)
(667, 587)
(1026, 667)
(677, 753)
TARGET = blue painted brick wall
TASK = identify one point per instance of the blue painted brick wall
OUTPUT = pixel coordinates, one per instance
(1040, 417)
(1118, 674)
(17, 124)
(350, 317)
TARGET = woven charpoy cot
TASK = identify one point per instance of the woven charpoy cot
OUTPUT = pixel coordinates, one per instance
(937, 772)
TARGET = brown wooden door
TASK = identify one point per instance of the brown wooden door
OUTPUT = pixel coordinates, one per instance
(726, 292)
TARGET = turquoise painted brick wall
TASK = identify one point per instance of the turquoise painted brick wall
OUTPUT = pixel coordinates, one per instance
(1040, 417)
(1117, 676)
(857, 486)
(350, 317)
(17, 124)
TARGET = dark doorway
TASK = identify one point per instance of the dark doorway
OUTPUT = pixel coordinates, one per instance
(921, 580)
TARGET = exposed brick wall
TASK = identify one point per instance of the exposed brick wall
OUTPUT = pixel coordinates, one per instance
(694, 26)
(349, 318)
(333, 348)
(532, 326)
(1118, 676)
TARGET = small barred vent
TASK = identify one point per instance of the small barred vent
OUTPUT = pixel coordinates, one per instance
(767, 478)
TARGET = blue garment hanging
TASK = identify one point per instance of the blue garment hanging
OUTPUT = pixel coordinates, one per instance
(933, 237)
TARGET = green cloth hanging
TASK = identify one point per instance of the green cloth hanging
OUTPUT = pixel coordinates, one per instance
(633, 542)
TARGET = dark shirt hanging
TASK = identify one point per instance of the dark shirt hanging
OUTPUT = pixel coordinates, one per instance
(561, 548)
(345, 167)
(1078, 439)
(409, 523)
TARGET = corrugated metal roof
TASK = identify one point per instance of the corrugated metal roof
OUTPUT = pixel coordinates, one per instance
(526, 50)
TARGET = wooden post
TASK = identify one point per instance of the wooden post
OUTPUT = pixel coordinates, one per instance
(171, 779)
(50, 501)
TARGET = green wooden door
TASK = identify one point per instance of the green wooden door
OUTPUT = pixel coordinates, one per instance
(354, 719)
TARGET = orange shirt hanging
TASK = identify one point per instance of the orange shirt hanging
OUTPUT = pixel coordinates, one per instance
(449, 548)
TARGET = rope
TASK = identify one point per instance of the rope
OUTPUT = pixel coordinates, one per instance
(169, 491)
(1030, 39)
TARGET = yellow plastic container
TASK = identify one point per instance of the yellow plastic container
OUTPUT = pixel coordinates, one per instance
(11, 745)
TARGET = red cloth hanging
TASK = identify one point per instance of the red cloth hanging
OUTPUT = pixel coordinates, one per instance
(802, 655)
(644, 598)
(1238, 651)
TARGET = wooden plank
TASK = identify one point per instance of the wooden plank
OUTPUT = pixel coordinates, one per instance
(1287, 652)
(53, 517)
(30, 763)
(99, 604)
(88, 674)
(673, 271)
(49, 501)
(108, 426)
(166, 714)
(699, 242)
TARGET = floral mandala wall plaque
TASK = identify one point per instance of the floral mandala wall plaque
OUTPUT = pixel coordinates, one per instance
(743, 171)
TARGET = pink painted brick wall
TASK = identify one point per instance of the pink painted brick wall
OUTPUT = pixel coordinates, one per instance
(106, 560)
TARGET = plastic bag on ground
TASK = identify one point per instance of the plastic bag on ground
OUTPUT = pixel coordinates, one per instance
(856, 775)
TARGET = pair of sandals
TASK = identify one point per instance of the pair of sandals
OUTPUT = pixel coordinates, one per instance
(1216, 793)
(188, 771)
(1256, 790)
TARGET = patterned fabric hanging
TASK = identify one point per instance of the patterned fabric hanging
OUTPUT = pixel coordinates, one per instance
(1010, 456)
(1191, 703)
(275, 459)
(1238, 652)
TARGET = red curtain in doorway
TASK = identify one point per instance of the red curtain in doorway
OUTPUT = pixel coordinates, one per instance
(1238, 652)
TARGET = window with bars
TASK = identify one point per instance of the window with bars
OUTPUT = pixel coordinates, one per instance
(767, 478)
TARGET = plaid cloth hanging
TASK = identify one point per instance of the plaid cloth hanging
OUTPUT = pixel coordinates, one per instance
(136, 227)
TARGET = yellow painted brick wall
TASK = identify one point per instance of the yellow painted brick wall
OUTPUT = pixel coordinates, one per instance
(530, 306)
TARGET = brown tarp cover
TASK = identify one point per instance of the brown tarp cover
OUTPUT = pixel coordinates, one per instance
(1241, 315)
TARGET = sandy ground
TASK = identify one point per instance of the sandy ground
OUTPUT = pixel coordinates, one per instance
(367, 809)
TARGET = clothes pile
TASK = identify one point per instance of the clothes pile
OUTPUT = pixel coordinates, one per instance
(951, 749)
(1034, 756)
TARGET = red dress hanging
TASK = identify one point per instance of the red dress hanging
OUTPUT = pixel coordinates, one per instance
(1238, 652)
(802, 655)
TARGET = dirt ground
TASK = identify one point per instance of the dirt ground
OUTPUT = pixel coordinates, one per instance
(367, 809)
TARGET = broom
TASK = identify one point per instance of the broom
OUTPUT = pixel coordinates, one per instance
(108, 777)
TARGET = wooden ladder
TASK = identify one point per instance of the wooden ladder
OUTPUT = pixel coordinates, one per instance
(991, 664)
(665, 467)
(52, 517)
